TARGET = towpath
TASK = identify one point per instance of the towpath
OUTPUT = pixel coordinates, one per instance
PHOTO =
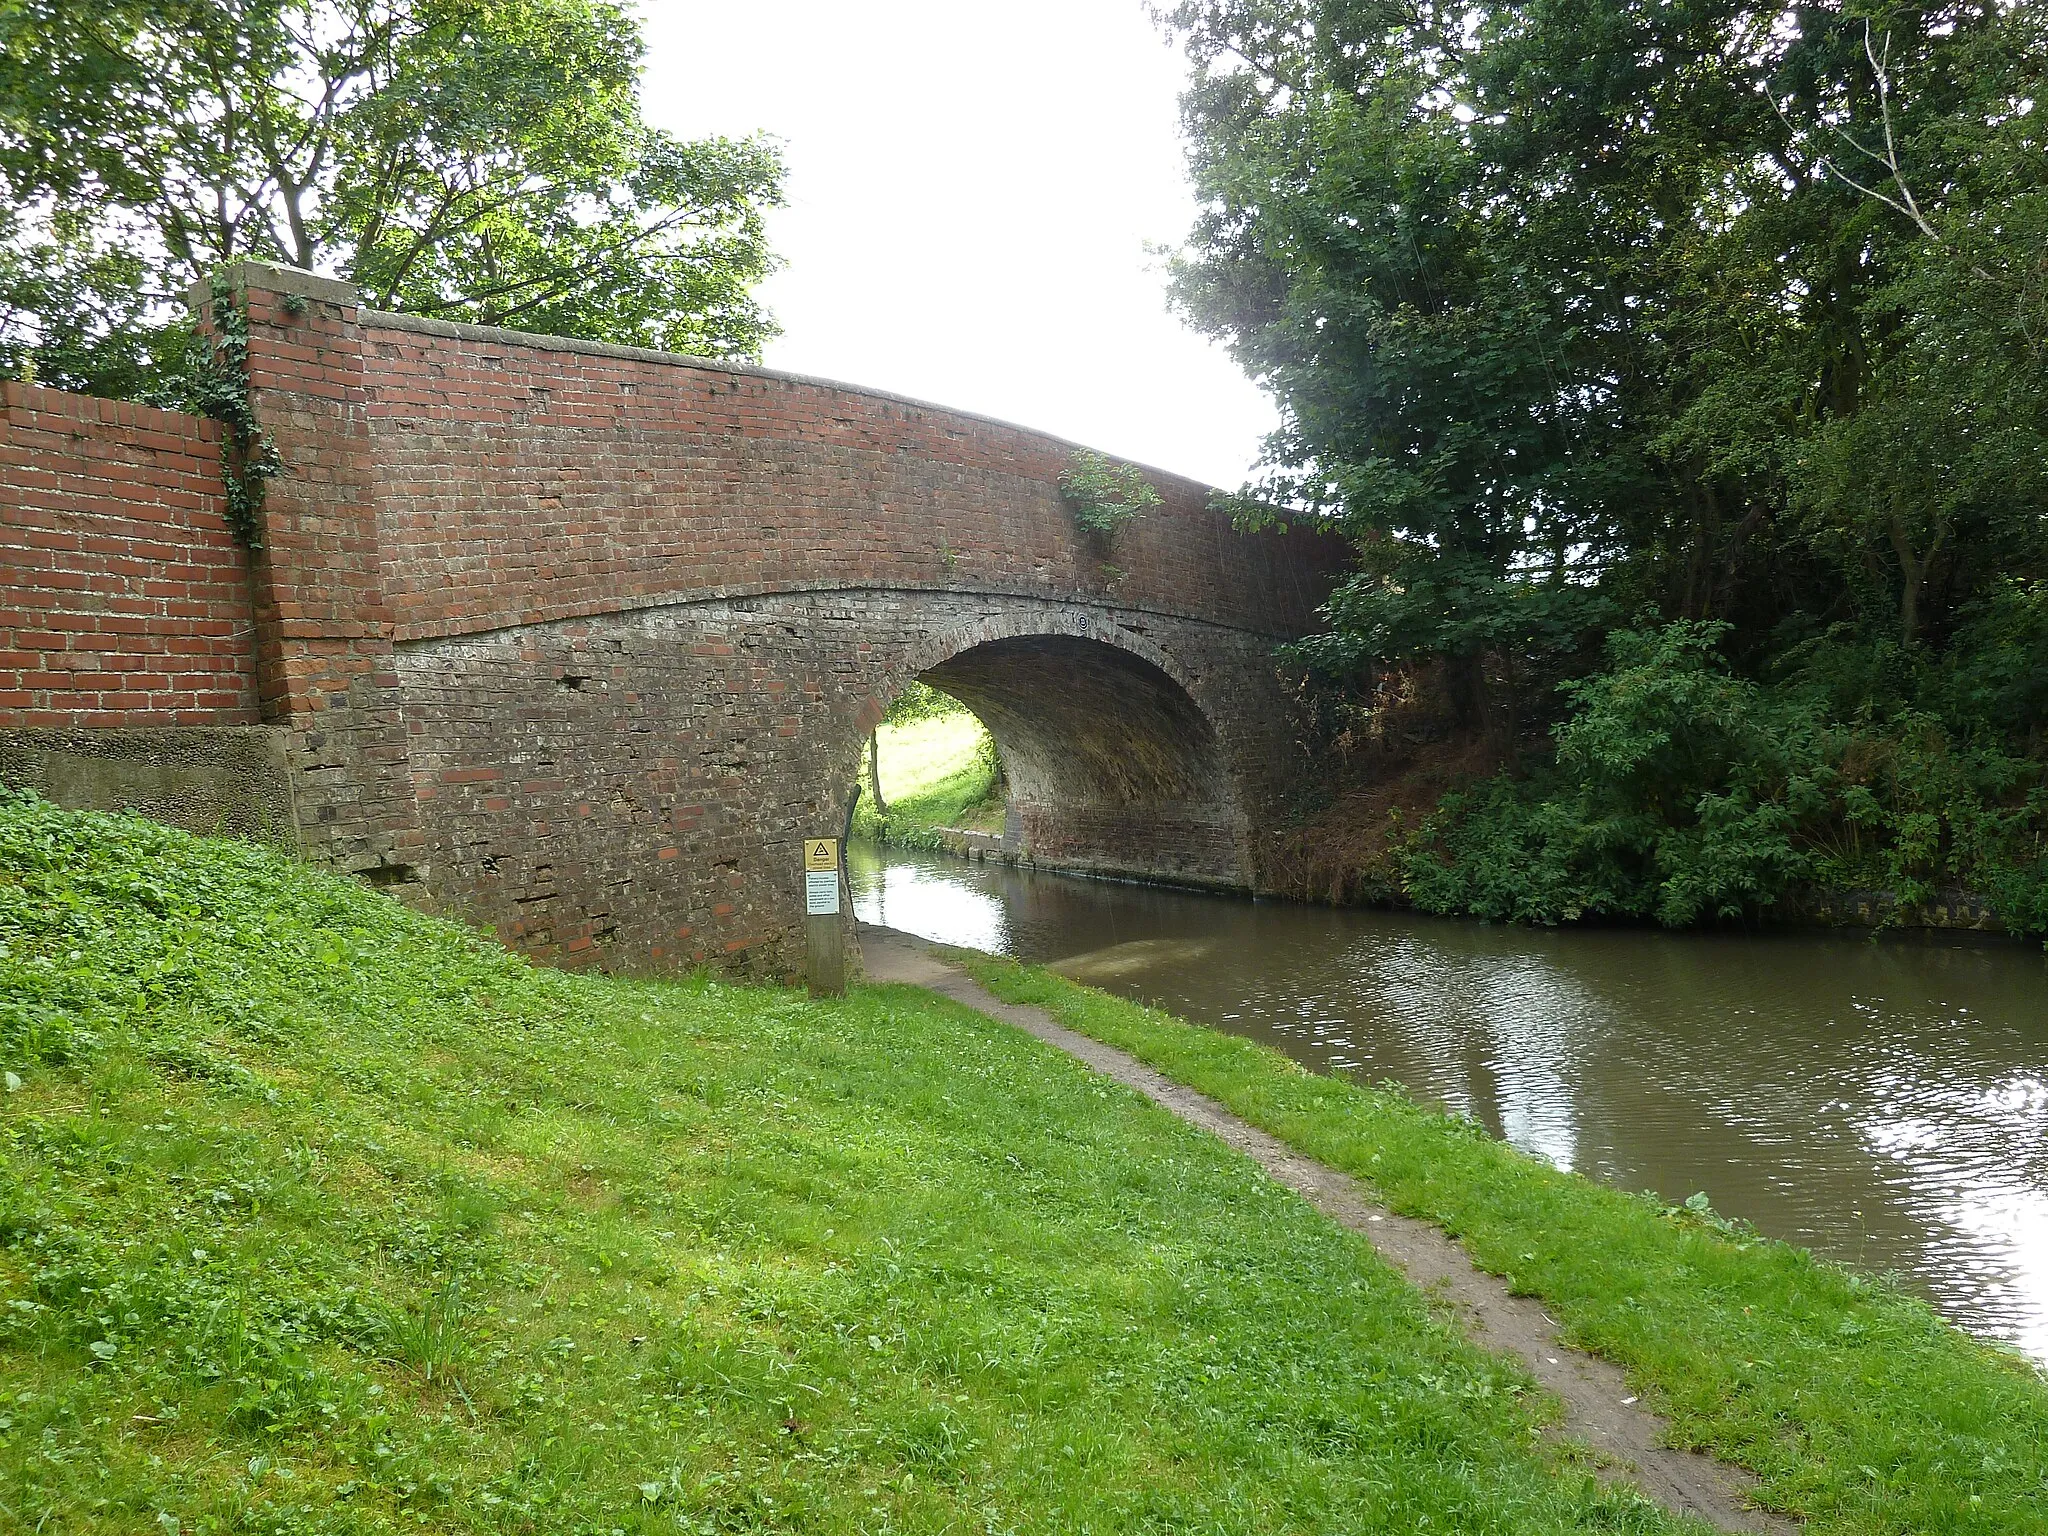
(1600, 1411)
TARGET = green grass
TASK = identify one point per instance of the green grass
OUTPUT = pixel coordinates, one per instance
(317, 1215)
(936, 772)
(1860, 1408)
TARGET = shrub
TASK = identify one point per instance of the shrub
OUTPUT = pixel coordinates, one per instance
(920, 701)
(1103, 495)
(1678, 791)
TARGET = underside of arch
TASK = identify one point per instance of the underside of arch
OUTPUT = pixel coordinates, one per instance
(1112, 768)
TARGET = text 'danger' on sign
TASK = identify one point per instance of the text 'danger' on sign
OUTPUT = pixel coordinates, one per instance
(821, 853)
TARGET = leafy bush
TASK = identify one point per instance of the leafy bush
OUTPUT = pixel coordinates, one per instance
(1680, 792)
(1103, 495)
(920, 701)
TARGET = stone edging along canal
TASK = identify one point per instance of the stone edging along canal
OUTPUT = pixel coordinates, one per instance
(1599, 1409)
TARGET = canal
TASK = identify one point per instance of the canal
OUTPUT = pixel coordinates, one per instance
(1885, 1104)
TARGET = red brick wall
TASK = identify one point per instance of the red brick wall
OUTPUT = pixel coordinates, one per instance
(125, 600)
(519, 483)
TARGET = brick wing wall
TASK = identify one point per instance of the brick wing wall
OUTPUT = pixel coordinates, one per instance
(125, 600)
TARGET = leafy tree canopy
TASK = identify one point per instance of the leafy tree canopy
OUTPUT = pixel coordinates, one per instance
(1733, 310)
(480, 160)
(1675, 366)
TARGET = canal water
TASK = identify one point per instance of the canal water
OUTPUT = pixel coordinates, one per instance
(1885, 1104)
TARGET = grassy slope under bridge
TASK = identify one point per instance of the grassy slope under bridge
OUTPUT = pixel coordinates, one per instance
(319, 1215)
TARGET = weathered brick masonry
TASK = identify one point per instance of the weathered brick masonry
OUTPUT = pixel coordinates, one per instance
(582, 641)
(634, 786)
(324, 659)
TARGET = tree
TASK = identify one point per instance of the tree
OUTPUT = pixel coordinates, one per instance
(1584, 306)
(1932, 481)
(875, 773)
(1722, 319)
(480, 160)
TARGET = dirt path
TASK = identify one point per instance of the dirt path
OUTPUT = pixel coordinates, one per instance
(1600, 1411)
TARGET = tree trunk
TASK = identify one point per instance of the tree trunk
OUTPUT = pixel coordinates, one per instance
(875, 773)
(1465, 678)
(1913, 572)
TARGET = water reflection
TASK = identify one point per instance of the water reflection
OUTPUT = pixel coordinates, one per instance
(1886, 1104)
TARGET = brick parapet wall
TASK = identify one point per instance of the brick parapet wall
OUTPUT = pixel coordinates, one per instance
(525, 480)
(126, 599)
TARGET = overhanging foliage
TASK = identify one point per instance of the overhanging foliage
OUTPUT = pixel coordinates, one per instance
(480, 160)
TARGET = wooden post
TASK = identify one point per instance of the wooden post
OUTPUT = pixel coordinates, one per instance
(824, 933)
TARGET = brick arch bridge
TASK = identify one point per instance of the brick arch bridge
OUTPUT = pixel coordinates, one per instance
(582, 641)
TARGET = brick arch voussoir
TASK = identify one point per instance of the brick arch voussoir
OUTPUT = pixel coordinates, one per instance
(1075, 624)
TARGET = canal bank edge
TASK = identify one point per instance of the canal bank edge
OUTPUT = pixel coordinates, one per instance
(1339, 859)
(1949, 915)
(1855, 1404)
(1627, 1439)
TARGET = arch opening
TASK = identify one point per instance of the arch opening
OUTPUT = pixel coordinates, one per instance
(1110, 766)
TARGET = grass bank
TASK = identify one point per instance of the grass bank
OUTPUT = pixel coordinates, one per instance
(1858, 1406)
(937, 771)
(317, 1215)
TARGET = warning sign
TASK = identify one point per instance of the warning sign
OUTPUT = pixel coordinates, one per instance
(821, 853)
(821, 892)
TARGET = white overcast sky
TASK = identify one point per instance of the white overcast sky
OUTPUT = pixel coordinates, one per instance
(972, 192)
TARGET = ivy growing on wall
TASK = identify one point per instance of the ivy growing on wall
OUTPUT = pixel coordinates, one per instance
(248, 458)
(1103, 495)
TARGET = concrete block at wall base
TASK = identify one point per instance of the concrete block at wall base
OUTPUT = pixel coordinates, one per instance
(231, 781)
